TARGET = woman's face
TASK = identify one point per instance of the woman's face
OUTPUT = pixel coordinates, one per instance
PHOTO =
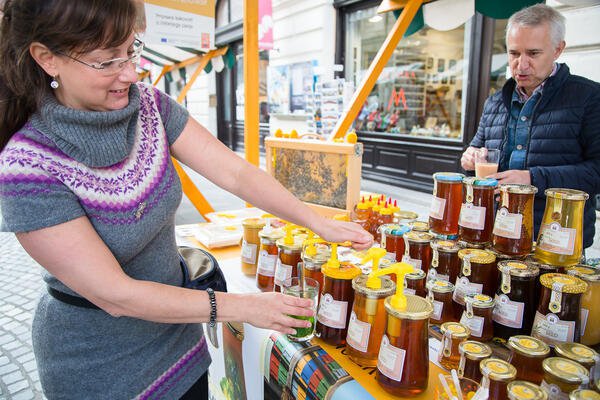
(83, 87)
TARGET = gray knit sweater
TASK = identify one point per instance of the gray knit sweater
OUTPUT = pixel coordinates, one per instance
(113, 167)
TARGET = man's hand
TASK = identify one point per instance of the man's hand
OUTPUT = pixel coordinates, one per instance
(467, 161)
(513, 176)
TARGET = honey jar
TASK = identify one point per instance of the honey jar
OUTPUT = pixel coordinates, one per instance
(522, 390)
(584, 394)
(453, 333)
(480, 267)
(478, 316)
(440, 294)
(337, 297)
(590, 311)
(251, 244)
(446, 203)
(562, 376)
(527, 354)
(445, 264)
(579, 353)
(313, 258)
(471, 354)
(392, 240)
(267, 257)
(516, 299)
(417, 249)
(557, 318)
(497, 374)
(403, 362)
(477, 211)
(513, 227)
(289, 258)
(560, 240)
(415, 283)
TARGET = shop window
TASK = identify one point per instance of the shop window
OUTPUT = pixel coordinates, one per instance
(420, 91)
(499, 72)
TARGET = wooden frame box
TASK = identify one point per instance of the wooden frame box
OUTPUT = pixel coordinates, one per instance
(325, 175)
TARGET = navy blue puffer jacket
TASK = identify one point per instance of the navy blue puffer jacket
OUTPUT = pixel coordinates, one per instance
(564, 139)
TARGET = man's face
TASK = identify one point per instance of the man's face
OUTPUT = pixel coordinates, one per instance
(531, 54)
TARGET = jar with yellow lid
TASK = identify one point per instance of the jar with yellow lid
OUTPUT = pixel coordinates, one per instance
(267, 257)
(478, 316)
(336, 299)
(557, 318)
(384, 217)
(251, 244)
(523, 390)
(445, 263)
(313, 259)
(453, 333)
(289, 259)
(419, 226)
(584, 355)
(527, 354)
(446, 202)
(362, 214)
(513, 227)
(417, 249)
(403, 362)
(471, 354)
(440, 294)
(477, 211)
(406, 217)
(497, 374)
(560, 239)
(562, 376)
(516, 299)
(584, 394)
(367, 319)
(392, 240)
(415, 283)
(477, 275)
(590, 301)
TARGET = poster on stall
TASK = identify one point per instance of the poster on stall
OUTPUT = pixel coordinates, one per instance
(184, 23)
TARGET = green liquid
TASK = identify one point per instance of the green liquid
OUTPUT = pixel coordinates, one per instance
(302, 333)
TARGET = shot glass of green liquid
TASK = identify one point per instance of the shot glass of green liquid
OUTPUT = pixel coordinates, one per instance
(308, 289)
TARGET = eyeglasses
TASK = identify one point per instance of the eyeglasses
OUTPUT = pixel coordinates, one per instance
(114, 66)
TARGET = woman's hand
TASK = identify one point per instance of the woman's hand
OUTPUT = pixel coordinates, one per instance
(342, 231)
(272, 311)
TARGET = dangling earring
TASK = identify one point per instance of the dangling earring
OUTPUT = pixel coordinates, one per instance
(54, 83)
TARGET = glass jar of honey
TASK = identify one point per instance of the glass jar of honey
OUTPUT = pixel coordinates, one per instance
(497, 374)
(522, 390)
(267, 257)
(471, 354)
(477, 211)
(478, 316)
(584, 394)
(392, 240)
(313, 260)
(415, 283)
(417, 249)
(384, 217)
(560, 240)
(544, 269)
(337, 297)
(445, 264)
(477, 275)
(403, 363)
(527, 354)
(557, 318)
(580, 353)
(516, 299)
(562, 376)
(446, 203)
(419, 226)
(590, 312)
(367, 320)
(289, 259)
(440, 294)
(362, 214)
(406, 217)
(513, 227)
(251, 244)
(453, 333)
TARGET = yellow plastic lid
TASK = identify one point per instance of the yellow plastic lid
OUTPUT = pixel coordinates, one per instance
(523, 390)
(474, 350)
(385, 211)
(296, 244)
(565, 370)
(528, 345)
(346, 271)
(563, 283)
(497, 370)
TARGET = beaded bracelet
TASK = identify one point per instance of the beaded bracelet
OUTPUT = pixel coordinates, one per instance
(213, 307)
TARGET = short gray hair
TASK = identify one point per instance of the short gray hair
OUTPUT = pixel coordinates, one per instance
(539, 14)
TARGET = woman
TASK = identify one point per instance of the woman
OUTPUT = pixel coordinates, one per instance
(87, 185)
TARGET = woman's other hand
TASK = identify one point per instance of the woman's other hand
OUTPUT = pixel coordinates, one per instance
(272, 311)
(342, 231)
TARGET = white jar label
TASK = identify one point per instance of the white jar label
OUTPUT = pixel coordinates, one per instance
(332, 313)
(556, 239)
(463, 287)
(248, 252)
(475, 324)
(584, 316)
(554, 392)
(552, 330)
(437, 208)
(390, 256)
(507, 312)
(283, 272)
(266, 263)
(409, 291)
(472, 217)
(358, 333)
(391, 360)
(415, 263)
(438, 307)
(508, 225)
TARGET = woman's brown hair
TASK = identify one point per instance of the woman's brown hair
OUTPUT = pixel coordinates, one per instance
(64, 26)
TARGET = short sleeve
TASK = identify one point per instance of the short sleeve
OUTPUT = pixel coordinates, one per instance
(173, 115)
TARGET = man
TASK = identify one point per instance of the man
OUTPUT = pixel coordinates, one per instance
(545, 121)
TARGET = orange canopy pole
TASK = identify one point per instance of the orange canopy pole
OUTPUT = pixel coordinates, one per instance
(251, 84)
(381, 59)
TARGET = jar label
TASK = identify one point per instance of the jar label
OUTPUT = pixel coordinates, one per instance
(415, 263)
(266, 263)
(584, 316)
(383, 240)
(463, 287)
(554, 392)
(283, 272)
(249, 252)
(358, 333)
(475, 323)
(390, 256)
(409, 291)
(433, 275)
(437, 208)
(391, 360)
(438, 307)
(472, 217)
(508, 225)
(556, 239)
(552, 330)
(507, 312)
(332, 313)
